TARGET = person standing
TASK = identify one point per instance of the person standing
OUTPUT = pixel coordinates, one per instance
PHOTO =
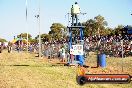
(9, 47)
(75, 11)
(0, 48)
(63, 54)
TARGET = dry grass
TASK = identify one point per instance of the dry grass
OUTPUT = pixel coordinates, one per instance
(114, 65)
(22, 70)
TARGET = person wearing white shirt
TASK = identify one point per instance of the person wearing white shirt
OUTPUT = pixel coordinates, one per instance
(75, 11)
(63, 54)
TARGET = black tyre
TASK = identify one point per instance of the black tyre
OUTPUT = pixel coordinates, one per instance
(81, 80)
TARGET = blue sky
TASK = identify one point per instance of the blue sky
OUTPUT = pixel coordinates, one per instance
(13, 21)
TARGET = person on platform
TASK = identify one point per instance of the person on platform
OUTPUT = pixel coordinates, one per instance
(75, 11)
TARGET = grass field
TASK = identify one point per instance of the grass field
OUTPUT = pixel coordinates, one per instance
(22, 70)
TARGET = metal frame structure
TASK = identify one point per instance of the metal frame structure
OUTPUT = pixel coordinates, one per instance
(79, 59)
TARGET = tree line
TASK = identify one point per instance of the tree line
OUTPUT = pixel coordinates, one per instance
(96, 26)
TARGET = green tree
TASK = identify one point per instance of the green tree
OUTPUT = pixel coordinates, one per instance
(24, 36)
(109, 31)
(96, 26)
(90, 27)
(45, 37)
(3, 40)
(118, 29)
(100, 24)
(56, 31)
(32, 41)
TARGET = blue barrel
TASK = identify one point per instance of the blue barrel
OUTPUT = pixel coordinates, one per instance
(102, 60)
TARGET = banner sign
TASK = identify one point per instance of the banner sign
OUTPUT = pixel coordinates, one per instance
(76, 50)
(104, 78)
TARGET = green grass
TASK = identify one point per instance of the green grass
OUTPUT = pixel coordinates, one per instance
(22, 70)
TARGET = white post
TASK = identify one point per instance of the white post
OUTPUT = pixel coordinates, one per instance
(39, 33)
(26, 25)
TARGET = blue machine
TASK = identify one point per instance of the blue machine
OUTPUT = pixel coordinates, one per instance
(79, 59)
(76, 26)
